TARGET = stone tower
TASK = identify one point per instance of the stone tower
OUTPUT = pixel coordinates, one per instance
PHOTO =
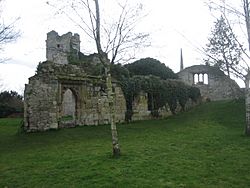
(59, 48)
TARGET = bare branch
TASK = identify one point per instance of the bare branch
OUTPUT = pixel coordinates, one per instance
(243, 15)
(8, 33)
(115, 34)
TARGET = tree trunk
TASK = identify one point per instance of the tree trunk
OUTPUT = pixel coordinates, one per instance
(104, 60)
(97, 33)
(247, 91)
(247, 19)
(111, 98)
(247, 104)
(228, 71)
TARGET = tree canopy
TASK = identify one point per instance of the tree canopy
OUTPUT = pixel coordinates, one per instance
(10, 103)
(150, 66)
(223, 50)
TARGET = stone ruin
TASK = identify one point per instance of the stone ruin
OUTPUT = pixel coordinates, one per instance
(58, 47)
(65, 95)
(212, 82)
(66, 92)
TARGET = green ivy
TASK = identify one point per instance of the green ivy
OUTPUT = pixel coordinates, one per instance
(159, 91)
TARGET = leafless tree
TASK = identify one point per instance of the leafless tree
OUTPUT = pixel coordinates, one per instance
(237, 17)
(115, 39)
(242, 15)
(105, 61)
(120, 38)
(223, 47)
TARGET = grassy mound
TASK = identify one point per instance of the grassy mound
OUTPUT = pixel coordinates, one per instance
(204, 147)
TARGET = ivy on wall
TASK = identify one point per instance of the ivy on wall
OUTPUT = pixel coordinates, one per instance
(159, 91)
(147, 75)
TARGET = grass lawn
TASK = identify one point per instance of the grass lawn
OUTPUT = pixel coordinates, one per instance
(204, 147)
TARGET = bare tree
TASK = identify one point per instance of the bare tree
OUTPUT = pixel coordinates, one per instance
(246, 16)
(223, 48)
(117, 38)
(242, 14)
(120, 38)
(106, 63)
(236, 16)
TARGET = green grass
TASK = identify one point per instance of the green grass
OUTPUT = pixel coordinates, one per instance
(204, 147)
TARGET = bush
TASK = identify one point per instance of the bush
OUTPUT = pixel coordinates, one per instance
(150, 66)
(194, 93)
(5, 110)
(10, 103)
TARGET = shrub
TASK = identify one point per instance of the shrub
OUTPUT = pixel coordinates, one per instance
(150, 66)
(10, 103)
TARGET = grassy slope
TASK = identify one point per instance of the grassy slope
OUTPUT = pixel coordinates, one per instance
(204, 147)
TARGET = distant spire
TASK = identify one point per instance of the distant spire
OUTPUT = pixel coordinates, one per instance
(181, 63)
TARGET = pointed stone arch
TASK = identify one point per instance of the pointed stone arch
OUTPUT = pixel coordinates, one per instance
(69, 105)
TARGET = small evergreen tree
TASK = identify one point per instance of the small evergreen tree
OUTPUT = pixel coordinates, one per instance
(223, 50)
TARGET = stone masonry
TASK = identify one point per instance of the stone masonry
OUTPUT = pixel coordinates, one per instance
(44, 106)
(61, 94)
(58, 48)
(65, 93)
(212, 82)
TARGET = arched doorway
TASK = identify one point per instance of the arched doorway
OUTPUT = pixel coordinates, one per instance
(68, 110)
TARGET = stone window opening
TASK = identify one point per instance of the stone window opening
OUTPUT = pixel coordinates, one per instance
(58, 45)
(196, 78)
(205, 81)
(200, 78)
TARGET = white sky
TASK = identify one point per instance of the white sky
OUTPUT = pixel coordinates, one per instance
(172, 25)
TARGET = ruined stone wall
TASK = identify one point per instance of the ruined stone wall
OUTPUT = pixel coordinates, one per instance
(120, 105)
(40, 105)
(65, 96)
(58, 48)
(140, 108)
(141, 112)
(218, 86)
(44, 107)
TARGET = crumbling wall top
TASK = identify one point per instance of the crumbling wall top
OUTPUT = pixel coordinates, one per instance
(58, 48)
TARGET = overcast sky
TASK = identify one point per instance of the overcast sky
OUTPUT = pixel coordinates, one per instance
(172, 25)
